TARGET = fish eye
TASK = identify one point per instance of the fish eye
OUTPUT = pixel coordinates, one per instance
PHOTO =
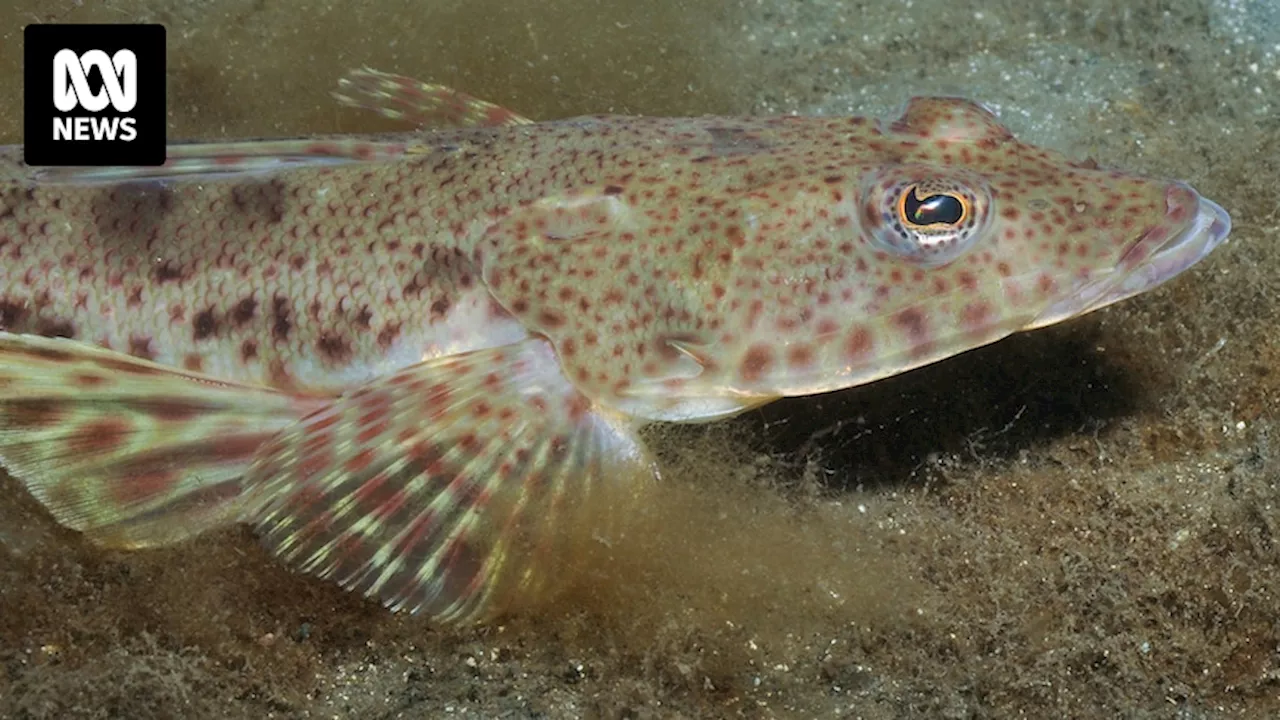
(927, 215)
(937, 209)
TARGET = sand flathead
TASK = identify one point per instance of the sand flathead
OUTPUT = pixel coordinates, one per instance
(416, 364)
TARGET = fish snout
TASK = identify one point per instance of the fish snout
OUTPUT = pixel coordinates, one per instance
(1191, 228)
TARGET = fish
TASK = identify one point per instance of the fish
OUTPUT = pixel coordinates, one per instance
(417, 364)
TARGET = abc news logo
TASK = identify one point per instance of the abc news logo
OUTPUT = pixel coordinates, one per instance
(94, 95)
(71, 90)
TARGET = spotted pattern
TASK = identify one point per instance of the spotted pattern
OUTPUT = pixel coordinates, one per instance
(410, 360)
(610, 235)
(688, 267)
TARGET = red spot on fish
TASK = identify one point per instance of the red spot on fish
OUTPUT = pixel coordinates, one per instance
(88, 380)
(800, 356)
(976, 315)
(142, 484)
(1046, 284)
(758, 360)
(550, 319)
(859, 343)
(98, 437)
(914, 324)
(171, 410)
(577, 407)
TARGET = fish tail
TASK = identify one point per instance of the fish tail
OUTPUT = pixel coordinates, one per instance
(461, 487)
(131, 453)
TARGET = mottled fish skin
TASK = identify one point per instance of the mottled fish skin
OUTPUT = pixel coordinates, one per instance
(453, 332)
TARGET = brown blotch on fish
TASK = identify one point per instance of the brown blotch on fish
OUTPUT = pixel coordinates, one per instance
(204, 325)
(243, 311)
(55, 327)
(168, 271)
(388, 335)
(259, 200)
(140, 346)
(281, 325)
(248, 350)
(168, 409)
(12, 314)
(364, 318)
(334, 348)
(129, 214)
(28, 414)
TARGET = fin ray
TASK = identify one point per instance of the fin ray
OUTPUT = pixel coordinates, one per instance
(459, 487)
(130, 453)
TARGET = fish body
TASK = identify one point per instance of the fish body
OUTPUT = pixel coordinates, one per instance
(411, 361)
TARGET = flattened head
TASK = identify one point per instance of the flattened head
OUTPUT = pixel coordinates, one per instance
(969, 203)
(946, 233)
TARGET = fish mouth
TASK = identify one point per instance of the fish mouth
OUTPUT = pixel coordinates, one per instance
(1143, 268)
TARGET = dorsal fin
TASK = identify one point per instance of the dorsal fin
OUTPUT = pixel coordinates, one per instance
(950, 118)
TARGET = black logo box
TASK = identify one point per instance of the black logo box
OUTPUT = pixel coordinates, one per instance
(41, 43)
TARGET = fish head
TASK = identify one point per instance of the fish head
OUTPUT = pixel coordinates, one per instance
(1009, 236)
(941, 233)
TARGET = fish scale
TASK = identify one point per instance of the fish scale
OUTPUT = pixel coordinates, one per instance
(416, 364)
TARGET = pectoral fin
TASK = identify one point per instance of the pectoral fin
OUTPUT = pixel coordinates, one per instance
(460, 487)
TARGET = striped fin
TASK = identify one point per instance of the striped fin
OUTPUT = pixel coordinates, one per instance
(131, 453)
(422, 104)
(461, 487)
